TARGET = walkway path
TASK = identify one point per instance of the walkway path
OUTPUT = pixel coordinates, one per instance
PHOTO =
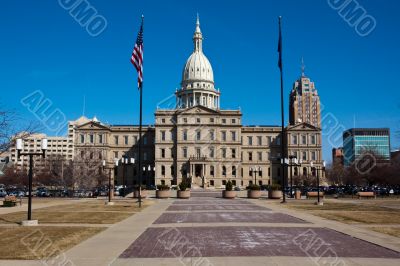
(205, 230)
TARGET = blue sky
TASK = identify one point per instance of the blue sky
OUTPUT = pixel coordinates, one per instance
(43, 48)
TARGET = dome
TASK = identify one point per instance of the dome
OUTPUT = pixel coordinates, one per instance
(197, 72)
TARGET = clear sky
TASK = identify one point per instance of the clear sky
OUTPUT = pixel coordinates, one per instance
(43, 48)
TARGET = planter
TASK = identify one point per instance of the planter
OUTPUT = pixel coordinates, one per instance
(229, 194)
(253, 194)
(298, 194)
(162, 194)
(183, 194)
(275, 194)
(143, 192)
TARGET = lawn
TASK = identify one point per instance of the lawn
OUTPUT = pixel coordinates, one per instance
(393, 231)
(41, 242)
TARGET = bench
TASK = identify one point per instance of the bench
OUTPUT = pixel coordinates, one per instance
(10, 201)
(314, 194)
(366, 195)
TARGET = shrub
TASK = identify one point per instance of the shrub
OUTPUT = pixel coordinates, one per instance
(275, 186)
(183, 186)
(253, 187)
(162, 187)
(228, 186)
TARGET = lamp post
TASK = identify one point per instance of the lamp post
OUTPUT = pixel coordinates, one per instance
(125, 161)
(20, 145)
(254, 170)
(110, 185)
(293, 161)
(317, 169)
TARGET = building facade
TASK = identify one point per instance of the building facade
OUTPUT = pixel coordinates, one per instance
(358, 142)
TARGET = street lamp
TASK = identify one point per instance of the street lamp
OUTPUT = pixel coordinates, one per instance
(20, 147)
(293, 161)
(125, 161)
(254, 171)
(317, 170)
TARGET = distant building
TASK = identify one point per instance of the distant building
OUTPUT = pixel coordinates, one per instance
(338, 155)
(359, 141)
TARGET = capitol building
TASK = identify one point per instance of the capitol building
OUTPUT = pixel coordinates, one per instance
(199, 141)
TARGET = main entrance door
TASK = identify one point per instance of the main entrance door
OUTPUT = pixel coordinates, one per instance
(198, 170)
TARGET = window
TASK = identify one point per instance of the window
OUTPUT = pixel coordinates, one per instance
(163, 120)
(212, 183)
(313, 139)
(163, 135)
(313, 156)
(269, 140)
(91, 138)
(259, 154)
(172, 170)
(185, 120)
(304, 139)
(250, 156)
(145, 156)
(100, 139)
(223, 121)
(304, 156)
(223, 135)
(223, 170)
(162, 153)
(211, 120)
(269, 171)
(211, 152)
(185, 135)
(259, 140)
(126, 140)
(250, 140)
(135, 139)
(198, 152)
(116, 140)
(260, 172)
(223, 151)
(278, 140)
(145, 140)
(184, 151)
(233, 170)
(198, 135)
(212, 135)
(233, 121)
(91, 155)
(211, 171)
(233, 135)
(162, 170)
(198, 120)
(294, 140)
(115, 154)
(233, 153)
(82, 138)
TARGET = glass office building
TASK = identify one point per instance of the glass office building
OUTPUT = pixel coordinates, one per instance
(359, 141)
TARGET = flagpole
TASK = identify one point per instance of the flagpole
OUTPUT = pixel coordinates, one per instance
(282, 115)
(140, 137)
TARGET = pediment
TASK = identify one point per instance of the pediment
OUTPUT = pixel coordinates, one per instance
(198, 109)
(303, 127)
(92, 125)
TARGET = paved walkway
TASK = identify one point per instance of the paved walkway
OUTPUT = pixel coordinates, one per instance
(213, 231)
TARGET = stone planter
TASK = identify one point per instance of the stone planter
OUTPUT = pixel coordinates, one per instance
(229, 194)
(143, 194)
(162, 194)
(253, 194)
(297, 194)
(275, 194)
(183, 194)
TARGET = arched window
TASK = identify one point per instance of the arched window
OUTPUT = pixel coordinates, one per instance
(305, 171)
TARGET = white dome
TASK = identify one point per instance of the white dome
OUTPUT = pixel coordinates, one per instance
(197, 72)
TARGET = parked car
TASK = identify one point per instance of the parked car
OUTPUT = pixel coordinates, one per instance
(17, 193)
(3, 193)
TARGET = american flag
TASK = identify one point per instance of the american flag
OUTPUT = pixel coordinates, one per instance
(137, 55)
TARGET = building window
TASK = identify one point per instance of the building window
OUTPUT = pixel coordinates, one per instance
(211, 171)
(305, 171)
(144, 140)
(162, 153)
(223, 170)
(313, 140)
(233, 121)
(135, 139)
(269, 140)
(278, 141)
(212, 183)
(163, 135)
(211, 152)
(198, 120)
(304, 139)
(91, 138)
(184, 151)
(212, 135)
(145, 156)
(198, 135)
(259, 140)
(185, 135)
(126, 140)
(223, 135)
(172, 170)
(223, 121)
(185, 120)
(233, 153)
(115, 154)
(304, 156)
(294, 140)
(269, 171)
(116, 140)
(233, 135)
(313, 156)
(198, 152)
(211, 120)
(223, 151)
(82, 138)
(250, 156)
(250, 140)
(259, 154)
(162, 170)
(234, 171)
(163, 120)
(100, 139)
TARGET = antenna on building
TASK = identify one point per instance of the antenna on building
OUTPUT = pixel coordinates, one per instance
(303, 67)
